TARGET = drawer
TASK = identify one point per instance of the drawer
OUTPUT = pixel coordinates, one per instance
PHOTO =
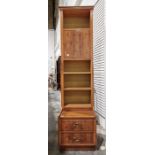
(76, 138)
(77, 124)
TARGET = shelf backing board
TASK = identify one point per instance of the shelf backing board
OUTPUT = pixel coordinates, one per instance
(73, 18)
(77, 66)
(75, 97)
(78, 80)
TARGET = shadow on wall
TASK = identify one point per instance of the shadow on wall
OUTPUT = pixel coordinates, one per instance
(100, 141)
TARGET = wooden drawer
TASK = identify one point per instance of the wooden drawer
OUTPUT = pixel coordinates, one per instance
(77, 138)
(77, 124)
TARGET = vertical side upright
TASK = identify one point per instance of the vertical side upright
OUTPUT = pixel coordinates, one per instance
(62, 59)
(91, 58)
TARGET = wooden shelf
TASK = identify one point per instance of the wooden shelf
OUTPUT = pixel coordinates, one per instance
(78, 88)
(76, 72)
(76, 59)
(76, 28)
(76, 114)
(84, 105)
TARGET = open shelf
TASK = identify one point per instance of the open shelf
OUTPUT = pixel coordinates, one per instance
(77, 66)
(76, 73)
(78, 96)
(77, 59)
(79, 80)
(76, 22)
(77, 29)
(78, 88)
(73, 19)
(78, 105)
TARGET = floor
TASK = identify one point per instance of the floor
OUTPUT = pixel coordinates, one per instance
(53, 112)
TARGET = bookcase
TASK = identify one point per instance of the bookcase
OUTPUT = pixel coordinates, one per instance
(77, 120)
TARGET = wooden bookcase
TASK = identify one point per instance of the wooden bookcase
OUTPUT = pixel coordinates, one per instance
(77, 97)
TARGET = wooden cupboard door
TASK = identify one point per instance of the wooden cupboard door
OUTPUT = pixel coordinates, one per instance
(77, 46)
(86, 44)
(68, 44)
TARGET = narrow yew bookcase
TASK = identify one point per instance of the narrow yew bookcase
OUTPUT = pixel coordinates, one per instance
(77, 120)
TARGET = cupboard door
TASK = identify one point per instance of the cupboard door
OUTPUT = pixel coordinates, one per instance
(86, 44)
(68, 44)
(77, 45)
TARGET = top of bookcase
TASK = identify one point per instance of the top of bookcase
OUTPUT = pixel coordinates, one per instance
(75, 7)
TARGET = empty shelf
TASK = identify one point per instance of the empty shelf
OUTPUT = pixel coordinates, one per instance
(78, 88)
(76, 72)
(84, 105)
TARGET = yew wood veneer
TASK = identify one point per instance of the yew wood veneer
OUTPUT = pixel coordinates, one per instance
(77, 130)
(77, 120)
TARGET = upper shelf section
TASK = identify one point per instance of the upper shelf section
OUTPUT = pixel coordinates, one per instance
(76, 18)
(76, 34)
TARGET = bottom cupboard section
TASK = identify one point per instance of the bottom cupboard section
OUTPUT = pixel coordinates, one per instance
(77, 129)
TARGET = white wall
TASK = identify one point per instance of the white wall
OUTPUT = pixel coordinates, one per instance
(99, 61)
(77, 2)
(57, 39)
(51, 55)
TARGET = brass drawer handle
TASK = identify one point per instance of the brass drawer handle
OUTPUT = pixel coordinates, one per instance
(76, 124)
(76, 139)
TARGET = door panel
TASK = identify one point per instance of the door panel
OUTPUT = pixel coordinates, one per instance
(76, 44)
(68, 44)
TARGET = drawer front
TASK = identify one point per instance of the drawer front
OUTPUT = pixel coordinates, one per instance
(77, 124)
(77, 138)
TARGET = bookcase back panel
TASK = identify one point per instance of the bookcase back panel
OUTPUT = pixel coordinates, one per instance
(77, 97)
(76, 22)
(77, 66)
(77, 80)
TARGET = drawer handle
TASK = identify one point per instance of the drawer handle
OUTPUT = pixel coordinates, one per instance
(76, 139)
(76, 124)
